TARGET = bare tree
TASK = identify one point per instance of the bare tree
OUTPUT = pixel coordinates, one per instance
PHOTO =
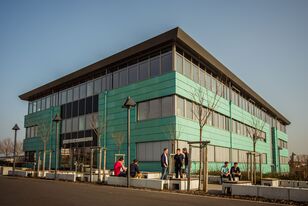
(19, 148)
(99, 127)
(44, 134)
(118, 138)
(255, 132)
(6, 146)
(204, 106)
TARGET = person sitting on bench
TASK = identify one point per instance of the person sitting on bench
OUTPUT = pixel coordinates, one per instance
(119, 168)
(134, 169)
(235, 171)
(225, 172)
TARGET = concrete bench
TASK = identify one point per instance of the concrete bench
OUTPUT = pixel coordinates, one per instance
(182, 184)
(270, 182)
(157, 184)
(19, 173)
(151, 175)
(278, 193)
(5, 170)
(227, 185)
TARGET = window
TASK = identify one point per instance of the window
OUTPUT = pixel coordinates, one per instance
(167, 106)
(34, 107)
(75, 124)
(195, 74)
(211, 153)
(180, 106)
(69, 95)
(38, 105)
(242, 156)
(166, 63)
(68, 126)
(30, 108)
(189, 110)
(151, 151)
(221, 154)
(143, 110)
(48, 102)
(104, 84)
(81, 123)
(133, 74)
(76, 93)
(187, 68)
(43, 106)
(143, 70)
(208, 81)
(123, 77)
(97, 86)
(235, 155)
(89, 88)
(63, 126)
(75, 108)
(82, 107)
(89, 106)
(214, 86)
(82, 91)
(179, 63)
(63, 97)
(155, 108)
(202, 78)
(154, 66)
(88, 121)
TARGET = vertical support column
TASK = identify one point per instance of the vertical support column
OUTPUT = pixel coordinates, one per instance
(173, 57)
(230, 123)
(189, 168)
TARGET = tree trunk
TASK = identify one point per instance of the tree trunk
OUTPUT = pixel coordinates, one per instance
(200, 157)
(104, 167)
(49, 165)
(100, 164)
(44, 159)
(254, 164)
(38, 164)
(205, 170)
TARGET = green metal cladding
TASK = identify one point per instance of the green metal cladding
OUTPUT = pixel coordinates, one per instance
(115, 117)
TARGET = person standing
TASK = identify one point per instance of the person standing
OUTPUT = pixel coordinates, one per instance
(178, 163)
(164, 164)
(186, 161)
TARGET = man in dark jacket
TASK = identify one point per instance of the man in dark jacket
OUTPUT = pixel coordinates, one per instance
(186, 161)
(164, 164)
(134, 169)
(178, 163)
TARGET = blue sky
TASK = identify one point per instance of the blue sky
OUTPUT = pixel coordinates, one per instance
(263, 42)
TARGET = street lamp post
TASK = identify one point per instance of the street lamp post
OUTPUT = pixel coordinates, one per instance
(128, 104)
(15, 128)
(57, 119)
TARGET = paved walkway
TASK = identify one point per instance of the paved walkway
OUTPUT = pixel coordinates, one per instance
(32, 192)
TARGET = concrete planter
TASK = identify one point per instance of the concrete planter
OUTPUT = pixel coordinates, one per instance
(19, 173)
(156, 184)
(270, 182)
(182, 184)
(278, 193)
(151, 175)
(5, 170)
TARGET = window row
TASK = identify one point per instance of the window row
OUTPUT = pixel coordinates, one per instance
(282, 144)
(195, 70)
(222, 154)
(156, 108)
(80, 123)
(148, 67)
(189, 109)
(80, 107)
(151, 151)
(284, 160)
(86, 138)
(32, 131)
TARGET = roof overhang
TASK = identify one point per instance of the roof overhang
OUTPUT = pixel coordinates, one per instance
(174, 35)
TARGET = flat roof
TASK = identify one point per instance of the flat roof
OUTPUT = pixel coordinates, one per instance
(173, 35)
